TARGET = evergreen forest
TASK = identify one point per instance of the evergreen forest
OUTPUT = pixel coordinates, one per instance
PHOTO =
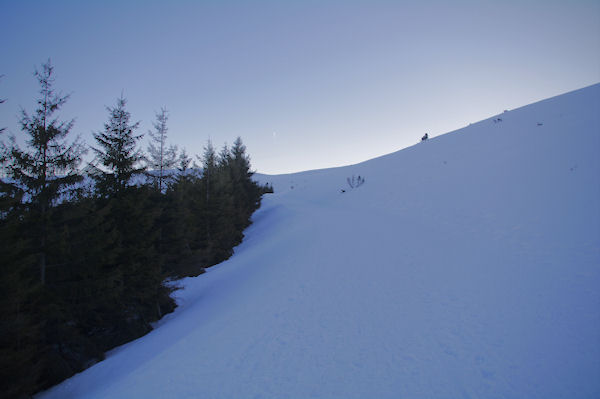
(87, 250)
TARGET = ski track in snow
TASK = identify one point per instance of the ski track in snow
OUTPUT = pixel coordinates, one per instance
(466, 266)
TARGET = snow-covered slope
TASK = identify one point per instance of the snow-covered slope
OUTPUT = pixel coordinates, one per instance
(464, 266)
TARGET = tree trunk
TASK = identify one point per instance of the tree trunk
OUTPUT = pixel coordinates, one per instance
(43, 261)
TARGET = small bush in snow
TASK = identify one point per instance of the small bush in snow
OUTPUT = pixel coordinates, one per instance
(355, 181)
(267, 189)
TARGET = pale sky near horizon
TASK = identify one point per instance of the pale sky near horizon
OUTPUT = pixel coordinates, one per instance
(306, 84)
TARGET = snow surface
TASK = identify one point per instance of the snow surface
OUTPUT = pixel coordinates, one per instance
(466, 266)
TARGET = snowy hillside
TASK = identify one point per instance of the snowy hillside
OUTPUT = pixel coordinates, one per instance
(466, 266)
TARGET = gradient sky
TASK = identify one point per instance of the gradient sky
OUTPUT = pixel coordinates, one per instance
(306, 84)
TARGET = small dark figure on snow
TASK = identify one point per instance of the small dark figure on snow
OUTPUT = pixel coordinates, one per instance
(425, 137)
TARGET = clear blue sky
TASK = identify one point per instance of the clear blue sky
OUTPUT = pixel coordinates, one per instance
(306, 84)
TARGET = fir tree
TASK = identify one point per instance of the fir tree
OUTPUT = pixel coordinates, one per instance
(117, 153)
(179, 221)
(48, 167)
(247, 192)
(183, 179)
(161, 157)
(240, 158)
(209, 167)
(209, 171)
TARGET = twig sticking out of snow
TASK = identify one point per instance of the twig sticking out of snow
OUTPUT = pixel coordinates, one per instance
(355, 182)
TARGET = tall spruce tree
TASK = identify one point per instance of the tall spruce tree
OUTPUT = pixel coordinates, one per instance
(117, 153)
(247, 192)
(179, 221)
(240, 158)
(185, 175)
(49, 165)
(209, 167)
(209, 177)
(160, 155)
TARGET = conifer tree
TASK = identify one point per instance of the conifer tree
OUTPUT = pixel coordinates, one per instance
(209, 167)
(240, 158)
(179, 221)
(161, 157)
(117, 153)
(48, 167)
(182, 179)
(226, 235)
(184, 161)
(247, 192)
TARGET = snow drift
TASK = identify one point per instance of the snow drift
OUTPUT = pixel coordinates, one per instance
(465, 266)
